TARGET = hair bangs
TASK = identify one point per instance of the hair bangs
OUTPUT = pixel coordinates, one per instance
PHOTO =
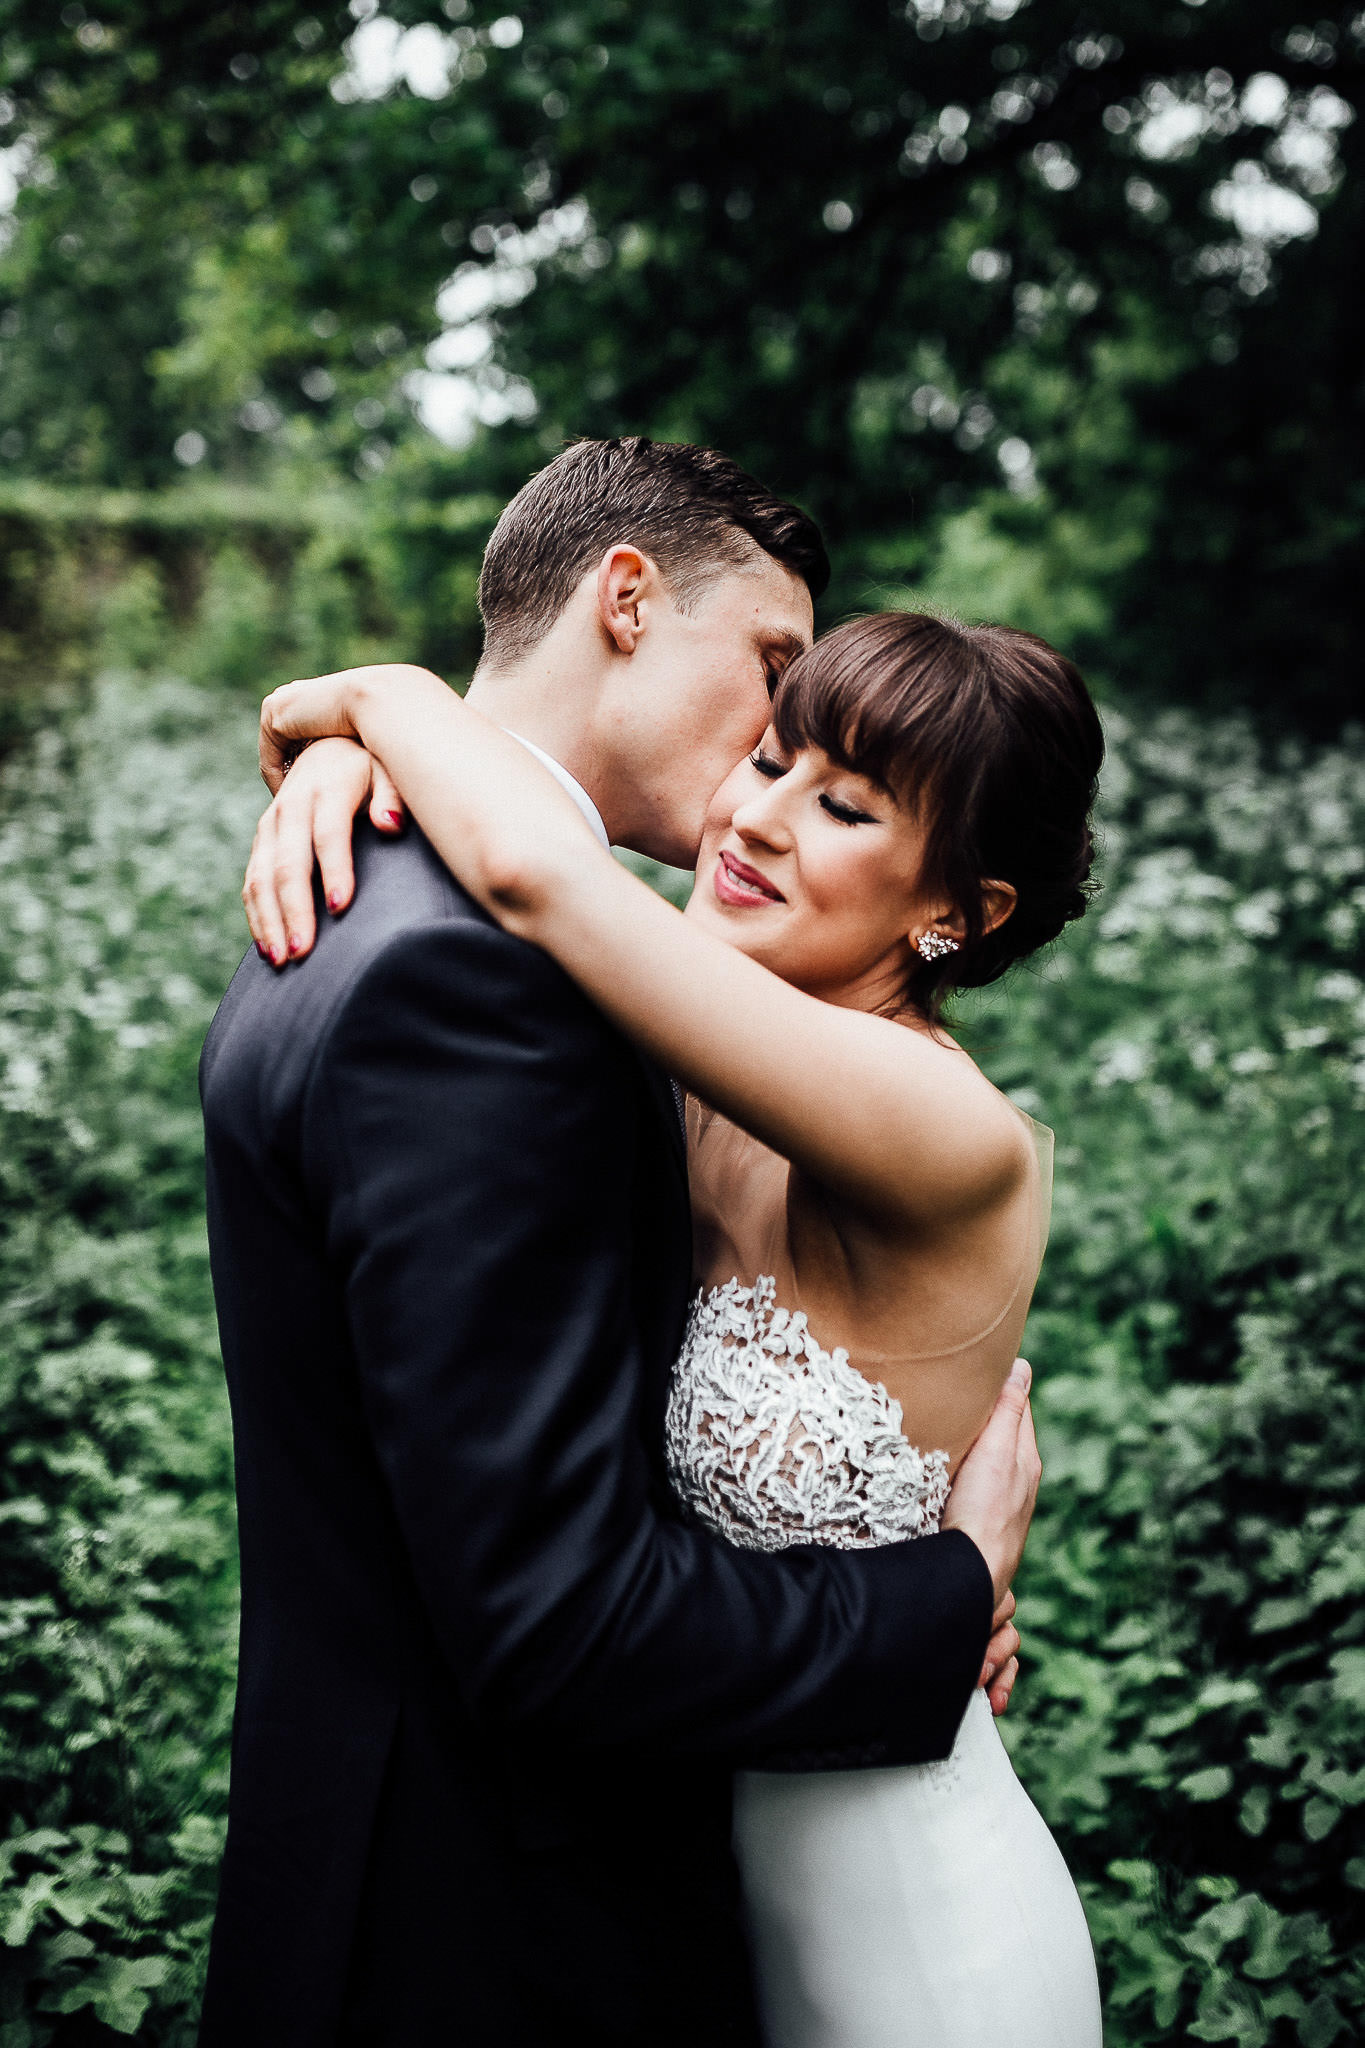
(874, 714)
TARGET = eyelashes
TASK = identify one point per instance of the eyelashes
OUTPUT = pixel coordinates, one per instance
(772, 770)
(845, 813)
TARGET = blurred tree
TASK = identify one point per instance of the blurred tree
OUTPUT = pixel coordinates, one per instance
(1034, 305)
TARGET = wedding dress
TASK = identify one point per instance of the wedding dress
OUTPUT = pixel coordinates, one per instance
(921, 1906)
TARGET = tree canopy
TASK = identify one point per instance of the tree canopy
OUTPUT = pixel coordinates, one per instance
(1036, 305)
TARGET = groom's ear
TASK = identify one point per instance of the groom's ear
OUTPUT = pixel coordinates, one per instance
(627, 582)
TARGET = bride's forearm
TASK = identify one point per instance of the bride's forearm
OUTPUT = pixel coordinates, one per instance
(498, 819)
(880, 1114)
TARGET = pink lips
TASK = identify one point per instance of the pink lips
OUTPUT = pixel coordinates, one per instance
(739, 884)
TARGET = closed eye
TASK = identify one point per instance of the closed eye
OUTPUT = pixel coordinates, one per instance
(845, 813)
(766, 764)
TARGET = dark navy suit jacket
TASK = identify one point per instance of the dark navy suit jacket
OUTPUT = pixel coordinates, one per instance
(492, 1686)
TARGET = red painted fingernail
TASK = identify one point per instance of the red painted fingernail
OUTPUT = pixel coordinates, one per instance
(261, 950)
(334, 899)
(295, 943)
(394, 817)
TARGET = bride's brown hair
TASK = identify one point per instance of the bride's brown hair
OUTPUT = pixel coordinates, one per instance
(991, 737)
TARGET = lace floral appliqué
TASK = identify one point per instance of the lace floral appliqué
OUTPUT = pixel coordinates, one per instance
(772, 1440)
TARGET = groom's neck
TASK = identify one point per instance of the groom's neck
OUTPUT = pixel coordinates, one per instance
(544, 701)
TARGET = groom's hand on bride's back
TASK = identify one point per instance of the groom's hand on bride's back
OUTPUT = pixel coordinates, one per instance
(312, 817)
(1001, 1666)
(997, 1483)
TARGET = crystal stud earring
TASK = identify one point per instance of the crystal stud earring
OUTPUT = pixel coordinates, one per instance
(934, 945)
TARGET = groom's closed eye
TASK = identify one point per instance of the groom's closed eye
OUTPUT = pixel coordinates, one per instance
(778, 653)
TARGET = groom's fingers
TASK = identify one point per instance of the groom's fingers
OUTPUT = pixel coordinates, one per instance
(999, 1442)
(1012, 1419)
(1015, 1392)
(1004, 1640)
(1026, 1453)
(1000, 1439)
(996, 1485)
(999, 1692)
(1003, 1645)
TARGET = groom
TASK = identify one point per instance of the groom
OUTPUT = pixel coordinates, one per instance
(492, 1688)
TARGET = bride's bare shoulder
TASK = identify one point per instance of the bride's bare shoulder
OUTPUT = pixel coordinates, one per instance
(988, 1143)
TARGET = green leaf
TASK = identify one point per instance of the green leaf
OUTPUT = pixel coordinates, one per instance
(1227, 2011)
(1214, 1782)
(1255, 1810)
(1320, 1816)
(1321, 2024)
(1348, 1682)
(117, 1991)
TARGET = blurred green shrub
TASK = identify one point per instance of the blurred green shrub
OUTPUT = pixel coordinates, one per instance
(119, 844)
(229, 586)
(1191, 1717)
(134, 627)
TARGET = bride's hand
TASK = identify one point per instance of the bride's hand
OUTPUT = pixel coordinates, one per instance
(319, 707)
(312, 815)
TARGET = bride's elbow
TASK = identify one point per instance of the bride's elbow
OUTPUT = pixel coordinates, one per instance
(516, 886)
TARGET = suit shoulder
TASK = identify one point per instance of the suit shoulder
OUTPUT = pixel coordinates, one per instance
(271, 1023)
(469, 972)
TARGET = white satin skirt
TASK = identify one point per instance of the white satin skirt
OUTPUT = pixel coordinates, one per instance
(925, 1906)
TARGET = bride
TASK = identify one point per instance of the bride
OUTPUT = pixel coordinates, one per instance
(870, 1211)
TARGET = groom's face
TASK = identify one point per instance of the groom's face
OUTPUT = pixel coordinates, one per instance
(699, 695)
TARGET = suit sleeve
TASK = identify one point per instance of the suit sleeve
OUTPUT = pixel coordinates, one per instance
(468, 1129)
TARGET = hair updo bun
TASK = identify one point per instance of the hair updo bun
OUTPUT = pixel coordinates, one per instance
(993, 737)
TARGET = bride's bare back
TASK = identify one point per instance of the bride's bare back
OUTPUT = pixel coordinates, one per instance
(935, 1318)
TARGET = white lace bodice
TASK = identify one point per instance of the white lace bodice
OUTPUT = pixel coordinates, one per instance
(772, 1440)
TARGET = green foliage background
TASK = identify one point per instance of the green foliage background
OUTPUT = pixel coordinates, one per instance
(941, 271)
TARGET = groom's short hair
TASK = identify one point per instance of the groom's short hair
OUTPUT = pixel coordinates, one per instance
(692, 510)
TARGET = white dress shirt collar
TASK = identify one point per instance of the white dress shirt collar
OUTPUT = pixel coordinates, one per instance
(567, 782)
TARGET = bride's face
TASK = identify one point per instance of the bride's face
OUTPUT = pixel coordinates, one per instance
(815, 872)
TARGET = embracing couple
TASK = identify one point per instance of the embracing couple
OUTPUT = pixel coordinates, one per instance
(620, 1309)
